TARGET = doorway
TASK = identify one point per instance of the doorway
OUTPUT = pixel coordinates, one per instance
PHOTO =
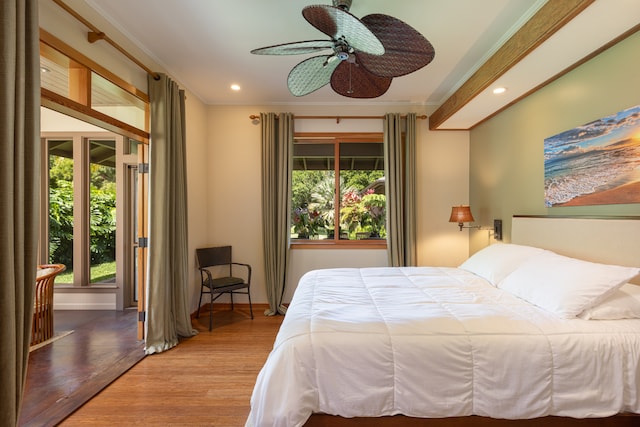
(95, 174)
(89, 205)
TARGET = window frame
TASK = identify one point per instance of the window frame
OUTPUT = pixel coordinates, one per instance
(336, 138)
(79, 105)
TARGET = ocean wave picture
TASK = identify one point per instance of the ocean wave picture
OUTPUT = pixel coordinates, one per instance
(594, 164)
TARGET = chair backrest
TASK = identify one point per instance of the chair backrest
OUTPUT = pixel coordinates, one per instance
(209, 257)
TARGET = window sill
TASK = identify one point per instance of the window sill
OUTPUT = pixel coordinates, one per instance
(97, 287)
(338, 244)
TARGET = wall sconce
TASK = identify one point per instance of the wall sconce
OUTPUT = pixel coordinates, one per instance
(462, 214)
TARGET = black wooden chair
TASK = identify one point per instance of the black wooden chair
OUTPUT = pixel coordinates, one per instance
(217, 274)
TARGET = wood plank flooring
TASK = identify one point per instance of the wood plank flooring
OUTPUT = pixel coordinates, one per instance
(206, 380)
(64, 374)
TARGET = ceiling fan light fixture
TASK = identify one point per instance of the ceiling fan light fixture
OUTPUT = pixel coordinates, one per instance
(367, 53)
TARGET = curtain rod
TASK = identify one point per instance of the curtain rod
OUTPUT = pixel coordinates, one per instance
(95, 34)
(338, 118)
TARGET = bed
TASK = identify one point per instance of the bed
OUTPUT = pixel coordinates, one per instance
(523, 332)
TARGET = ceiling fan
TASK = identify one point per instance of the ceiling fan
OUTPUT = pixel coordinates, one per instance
(367, 53)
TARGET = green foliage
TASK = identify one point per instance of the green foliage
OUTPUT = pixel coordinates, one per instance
(313, 196)
(103, 225)
(61, 224)
(303, 184)
(307, 223)
(103, 272)
(102, 212)
(351, 211)
(60, 171)
(360, 179)
(375, 208)
(98, 273)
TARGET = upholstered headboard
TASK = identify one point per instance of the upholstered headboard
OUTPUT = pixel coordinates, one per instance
(609, 240)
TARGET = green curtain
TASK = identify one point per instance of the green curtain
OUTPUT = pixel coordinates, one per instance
(277, 161)
(19, 192)
(168, 297)
(400, 160)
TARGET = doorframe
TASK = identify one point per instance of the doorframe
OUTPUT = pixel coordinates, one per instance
(125, 268)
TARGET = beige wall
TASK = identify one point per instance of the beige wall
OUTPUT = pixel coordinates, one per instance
(233, 193)
(506, 161)
(62, 25)
(223, 165)
(59, 23)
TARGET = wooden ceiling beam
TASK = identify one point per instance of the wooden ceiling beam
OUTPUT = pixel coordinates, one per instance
(549, 19)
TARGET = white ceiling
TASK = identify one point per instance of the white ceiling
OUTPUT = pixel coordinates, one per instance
(205, 45)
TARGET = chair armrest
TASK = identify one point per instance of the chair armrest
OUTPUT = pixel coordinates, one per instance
(248, 267)
(209, 278)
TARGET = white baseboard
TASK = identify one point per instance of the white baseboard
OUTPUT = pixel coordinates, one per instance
(84, 306)
(84, 301)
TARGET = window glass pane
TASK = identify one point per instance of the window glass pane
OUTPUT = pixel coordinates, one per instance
(133, 147)
(362, 191)
(62, 75)
(61, 206)
(313, 191)
(116, 102)
(102, 210)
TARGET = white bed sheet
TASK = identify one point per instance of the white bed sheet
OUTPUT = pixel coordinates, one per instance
(438, 342)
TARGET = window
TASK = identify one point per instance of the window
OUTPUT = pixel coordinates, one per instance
(90, 92)
(80, 197)
(357, 210)
(84, 232)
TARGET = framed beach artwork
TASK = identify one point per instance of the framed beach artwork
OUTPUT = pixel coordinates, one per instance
(594, 164)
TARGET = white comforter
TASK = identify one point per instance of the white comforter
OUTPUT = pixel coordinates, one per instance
(438, 342)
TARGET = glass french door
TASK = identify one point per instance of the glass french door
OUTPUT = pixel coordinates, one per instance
(94, 213)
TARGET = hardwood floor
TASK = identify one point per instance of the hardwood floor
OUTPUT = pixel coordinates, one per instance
(64, 374)
(206, 380)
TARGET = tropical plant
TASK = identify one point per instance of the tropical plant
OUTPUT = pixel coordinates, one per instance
(61, 224)
(351, 211)
(306, 223)
(374, 206)
(323, 199)
(303, 184)
(102, 214)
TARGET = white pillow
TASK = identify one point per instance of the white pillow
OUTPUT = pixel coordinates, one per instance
(624, 303)
(496, 261)
(565, 286)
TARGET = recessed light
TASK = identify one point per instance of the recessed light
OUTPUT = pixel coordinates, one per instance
(44, 69)
(499, 90)
(235, 87)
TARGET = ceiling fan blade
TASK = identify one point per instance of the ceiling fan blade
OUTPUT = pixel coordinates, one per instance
(406, 50)
(295, 48)
(350, 79)
(338, 23)
(311, 74)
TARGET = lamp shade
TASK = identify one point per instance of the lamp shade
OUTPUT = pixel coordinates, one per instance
(461, 214)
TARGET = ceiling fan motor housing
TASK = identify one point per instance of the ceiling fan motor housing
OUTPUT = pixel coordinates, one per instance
(343, 4)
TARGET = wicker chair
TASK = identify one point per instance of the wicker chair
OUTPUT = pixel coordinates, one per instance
(224, 282)
(42, 324)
